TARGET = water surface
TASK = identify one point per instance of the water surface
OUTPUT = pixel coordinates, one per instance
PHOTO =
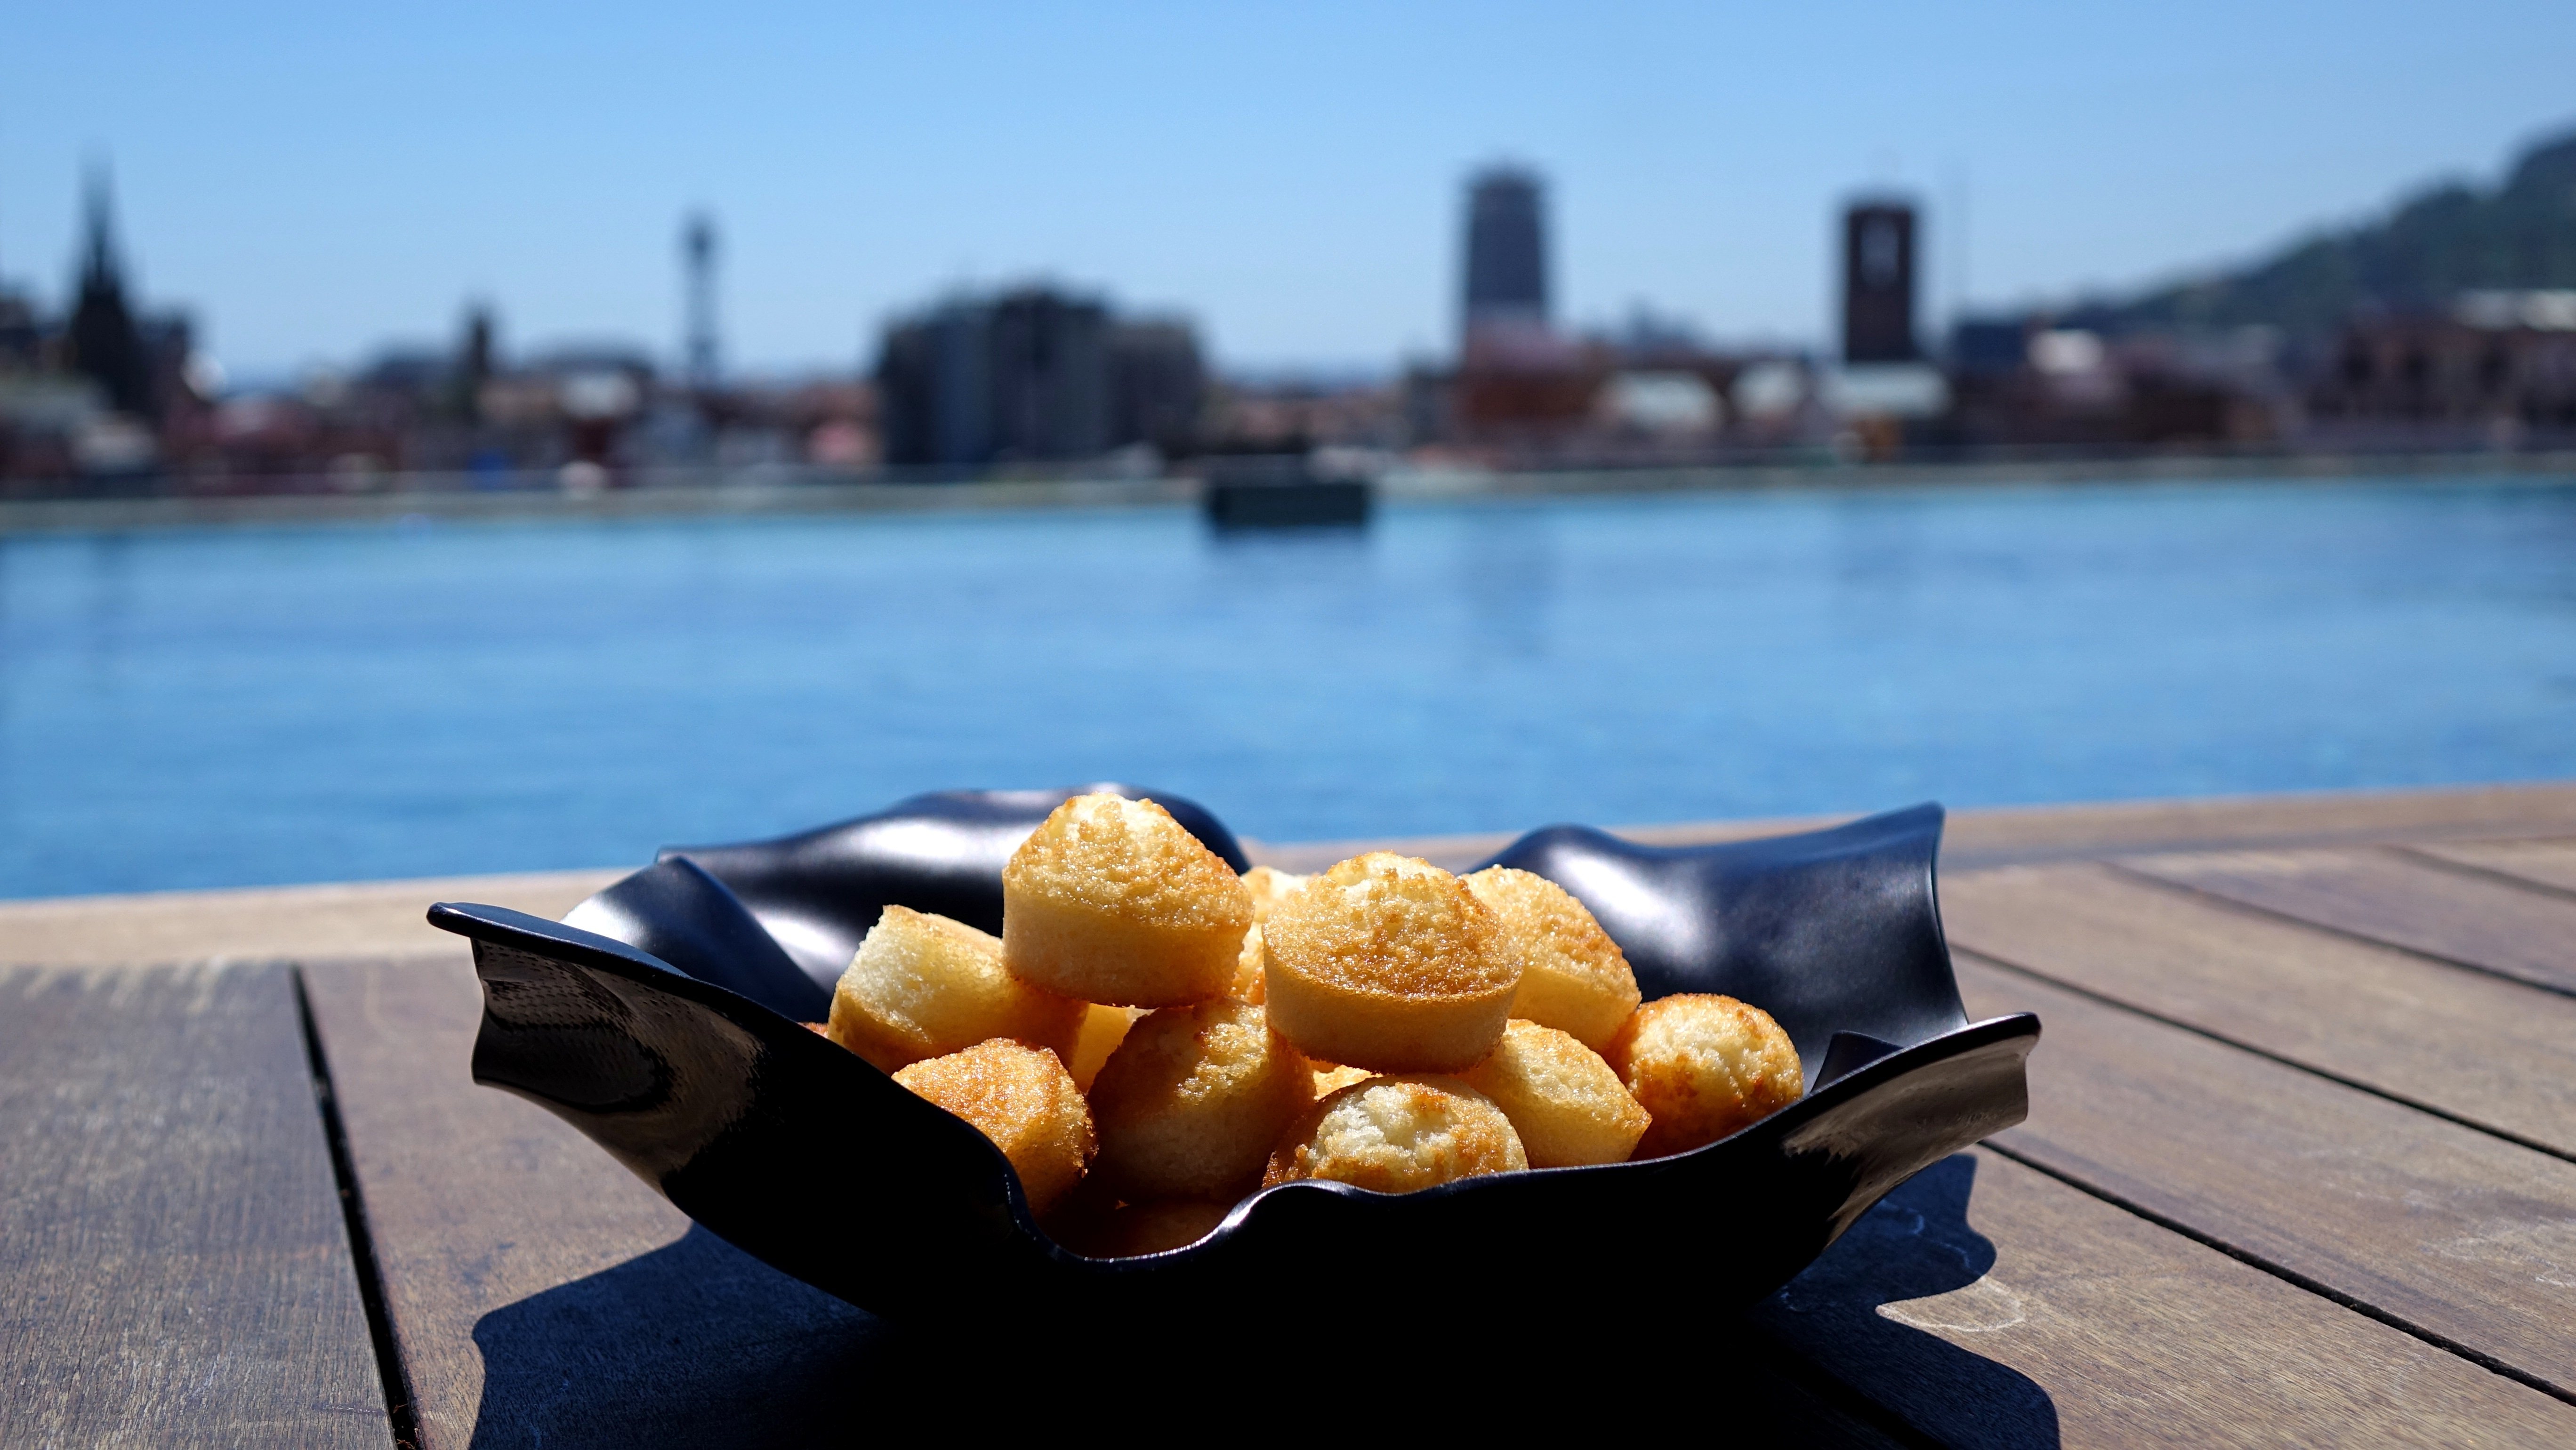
(202, 708)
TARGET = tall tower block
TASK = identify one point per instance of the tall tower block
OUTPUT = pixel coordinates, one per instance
(1506, 254)
(698, 265)
(1878, 283)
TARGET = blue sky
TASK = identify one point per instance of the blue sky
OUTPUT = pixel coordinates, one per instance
(318, 180)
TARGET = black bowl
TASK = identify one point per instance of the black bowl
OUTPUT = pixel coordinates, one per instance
(661, 1017)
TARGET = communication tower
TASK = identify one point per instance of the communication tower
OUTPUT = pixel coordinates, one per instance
(698, 261)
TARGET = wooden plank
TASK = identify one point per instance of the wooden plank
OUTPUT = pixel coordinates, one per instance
(363, 918)
(2465, 1237)
(1989, 1304)
(542, 1295)
(2039, 833)
(1992, 836)
(2541, 863)
(2479, 922)
(174, 1265)
(2491, 1052)
(383, 918)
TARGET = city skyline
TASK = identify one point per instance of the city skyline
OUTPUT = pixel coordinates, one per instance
(1681, 175)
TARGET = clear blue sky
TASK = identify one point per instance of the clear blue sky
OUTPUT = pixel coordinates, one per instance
(317, 180)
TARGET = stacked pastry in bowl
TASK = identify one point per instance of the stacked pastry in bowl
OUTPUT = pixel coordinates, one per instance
(1153, 1037)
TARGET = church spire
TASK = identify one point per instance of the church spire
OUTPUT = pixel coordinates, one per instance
(105, 343)
(98, 268)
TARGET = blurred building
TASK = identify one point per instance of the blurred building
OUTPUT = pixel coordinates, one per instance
(103, 342)
(2496, 359)
(1878, 283)
(1033, 375)
(1157, 385)
(22, 335)
(2037, 381)
(1506, 263)
(1518, 381)
(105, 390)
(1300, 414)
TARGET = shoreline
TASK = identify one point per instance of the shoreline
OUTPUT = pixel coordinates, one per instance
(770, 497)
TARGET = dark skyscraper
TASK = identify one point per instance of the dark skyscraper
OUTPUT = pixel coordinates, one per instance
(1506, 252)
(698, 265)
(1032, 374)
(105, 344)
(1878, 283)
(474, 365)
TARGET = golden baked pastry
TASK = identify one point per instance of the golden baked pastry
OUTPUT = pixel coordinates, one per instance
(1022, 1099)
(1268, 886)
(1388, 962)
(1247, 969)
(1574, 978)
(1398, 1134)
(1111, 900)
(1190, 1104)
(1330, 1079)
(1103, 1028)
(1704, 1066)
(1567, 1105)
(925, 986)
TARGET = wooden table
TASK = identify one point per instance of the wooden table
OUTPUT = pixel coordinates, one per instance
(2300, 1169)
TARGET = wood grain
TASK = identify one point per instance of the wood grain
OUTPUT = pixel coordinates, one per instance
(2040, 833)
(2550, 864)
(360, 918)
(542, 1295)
(2460, 1234)
(2018, 834)
(1991, 1305)
(174, 1267)
(2492, 925)
(539, 1292)
(2492, 1052)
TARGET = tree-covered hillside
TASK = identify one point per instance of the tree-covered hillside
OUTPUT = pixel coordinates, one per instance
(2445, 241)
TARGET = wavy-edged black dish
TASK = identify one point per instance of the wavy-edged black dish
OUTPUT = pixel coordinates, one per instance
(662, 1018)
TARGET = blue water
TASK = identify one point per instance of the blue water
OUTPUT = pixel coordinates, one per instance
(209, 708)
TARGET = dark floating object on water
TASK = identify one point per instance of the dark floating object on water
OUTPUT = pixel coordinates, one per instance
(662, 1018)
(1281, 491)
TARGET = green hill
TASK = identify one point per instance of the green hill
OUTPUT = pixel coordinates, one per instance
(2444, 241)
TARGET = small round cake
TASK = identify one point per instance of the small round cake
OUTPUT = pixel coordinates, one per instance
(1398, 1134)
(1248, 967)
(1111, 900)
(1389, 963)
(1268, 886)
(1103, 1028)
(1022, 1099)
(1190, 1104)
(1567, 1105)
(925, 986)
(1704, 1066)
(1574, 978)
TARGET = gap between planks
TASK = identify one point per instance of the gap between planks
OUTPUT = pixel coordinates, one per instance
(399, 1399)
